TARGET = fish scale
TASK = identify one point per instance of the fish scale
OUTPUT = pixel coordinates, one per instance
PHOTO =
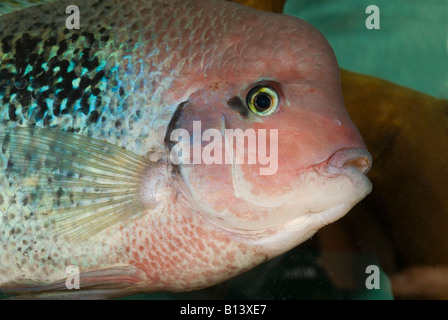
(73, 81)
(86, 118)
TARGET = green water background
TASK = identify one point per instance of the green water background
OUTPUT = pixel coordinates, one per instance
(410, 48)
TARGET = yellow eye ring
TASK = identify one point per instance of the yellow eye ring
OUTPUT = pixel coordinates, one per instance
(262, 100)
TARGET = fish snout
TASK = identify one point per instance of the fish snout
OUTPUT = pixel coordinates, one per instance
(359, 159)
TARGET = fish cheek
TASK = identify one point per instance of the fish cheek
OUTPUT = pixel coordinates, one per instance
(203, 169)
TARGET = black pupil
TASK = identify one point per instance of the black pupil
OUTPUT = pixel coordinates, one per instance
(262, 102)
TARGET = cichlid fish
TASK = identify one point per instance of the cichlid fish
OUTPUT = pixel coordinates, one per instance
(95, 129)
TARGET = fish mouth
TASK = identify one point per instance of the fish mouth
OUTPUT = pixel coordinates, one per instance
(349, 161)
(353, 164)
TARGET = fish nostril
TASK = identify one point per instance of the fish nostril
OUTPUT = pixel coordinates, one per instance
(359, 159)
(363, 164)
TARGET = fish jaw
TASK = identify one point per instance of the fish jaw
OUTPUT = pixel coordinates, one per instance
(282, 238)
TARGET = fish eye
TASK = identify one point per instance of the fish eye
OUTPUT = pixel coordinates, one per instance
(262, 100)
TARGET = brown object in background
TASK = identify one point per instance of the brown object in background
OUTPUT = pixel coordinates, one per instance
(407, 133)
(404, 221)
(265, 5)
(405, 218)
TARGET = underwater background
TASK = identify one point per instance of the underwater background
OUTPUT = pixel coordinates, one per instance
(410, 48)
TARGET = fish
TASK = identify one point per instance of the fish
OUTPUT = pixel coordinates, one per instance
(165, 145)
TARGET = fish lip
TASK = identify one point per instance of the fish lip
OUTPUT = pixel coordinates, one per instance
(331, 214)
(347, 159)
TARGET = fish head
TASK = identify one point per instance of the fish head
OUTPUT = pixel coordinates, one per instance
(275, 147)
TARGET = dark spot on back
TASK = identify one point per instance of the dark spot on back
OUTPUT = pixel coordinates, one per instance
(59, 192)
(89, 36)
(50, 42)
(63, 46)
(58, 196)
(97, 78)
(94, 116)
(6, 44)
(105, 38)
(85, 103)
(12, 112)
(75, 37)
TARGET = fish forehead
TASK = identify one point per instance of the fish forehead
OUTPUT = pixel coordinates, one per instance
(275, 45)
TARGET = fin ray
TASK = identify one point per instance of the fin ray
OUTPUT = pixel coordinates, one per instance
(78, 184)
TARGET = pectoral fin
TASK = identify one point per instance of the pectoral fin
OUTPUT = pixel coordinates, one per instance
(78, 185)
